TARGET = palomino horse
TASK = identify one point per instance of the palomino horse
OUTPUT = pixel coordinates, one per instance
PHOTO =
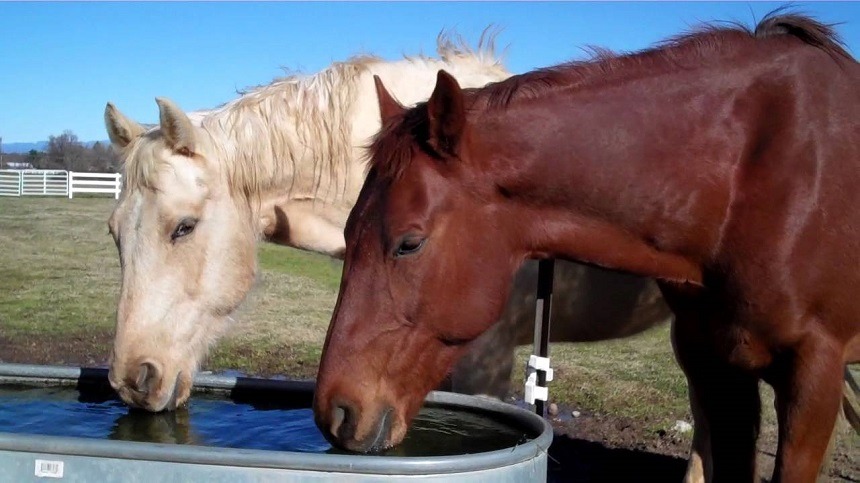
(283, 163)
(722, 164)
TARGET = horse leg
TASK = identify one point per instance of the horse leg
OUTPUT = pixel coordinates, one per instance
(849, 417)
(851, 401)
(700, 464)
(726, 408)
(808, 400)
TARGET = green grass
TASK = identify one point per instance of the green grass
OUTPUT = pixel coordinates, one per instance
(320, 269)
(59, 272)
(635, 377)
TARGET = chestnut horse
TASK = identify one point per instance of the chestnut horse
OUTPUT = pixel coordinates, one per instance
(723, 163)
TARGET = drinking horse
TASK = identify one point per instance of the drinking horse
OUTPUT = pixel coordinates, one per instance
(284, 163)
(722, 163)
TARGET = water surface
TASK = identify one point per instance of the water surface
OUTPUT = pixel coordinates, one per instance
(212, 421)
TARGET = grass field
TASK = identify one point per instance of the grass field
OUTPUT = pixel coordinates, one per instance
(59, 280)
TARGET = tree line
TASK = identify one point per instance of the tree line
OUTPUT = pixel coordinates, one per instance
(66, 152)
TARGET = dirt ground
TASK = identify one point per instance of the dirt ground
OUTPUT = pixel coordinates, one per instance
(589, 448)
(596, 448)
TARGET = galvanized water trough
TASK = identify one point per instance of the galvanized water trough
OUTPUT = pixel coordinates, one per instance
(27, 457)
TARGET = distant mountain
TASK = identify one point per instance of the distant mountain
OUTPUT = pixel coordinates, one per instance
(40, 146)
(24, 147)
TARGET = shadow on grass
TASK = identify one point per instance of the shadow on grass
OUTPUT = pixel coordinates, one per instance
(580, 461)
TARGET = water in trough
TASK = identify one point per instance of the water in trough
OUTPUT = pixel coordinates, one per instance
(209, 420)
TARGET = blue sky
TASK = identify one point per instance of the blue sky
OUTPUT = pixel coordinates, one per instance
(62, 61)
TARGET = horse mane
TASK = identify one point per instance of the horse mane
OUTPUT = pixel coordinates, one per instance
(451, 46)
(262, 136)
(392, 147)
(696, 45)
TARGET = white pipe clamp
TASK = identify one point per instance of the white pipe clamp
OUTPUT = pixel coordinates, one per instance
(533, 392)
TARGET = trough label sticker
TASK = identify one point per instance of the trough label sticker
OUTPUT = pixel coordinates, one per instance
(49, 469)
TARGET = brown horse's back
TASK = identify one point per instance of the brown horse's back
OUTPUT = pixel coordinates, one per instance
(589, 304)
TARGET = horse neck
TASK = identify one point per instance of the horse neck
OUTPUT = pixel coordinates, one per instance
(285, 138)
(615, 176)
(279, 147)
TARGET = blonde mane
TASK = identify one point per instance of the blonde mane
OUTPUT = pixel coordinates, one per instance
(262, 136)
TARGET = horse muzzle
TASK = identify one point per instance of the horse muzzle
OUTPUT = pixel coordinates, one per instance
(144, 386)
(345, 429)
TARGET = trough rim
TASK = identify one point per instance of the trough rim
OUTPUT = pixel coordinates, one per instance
(217, 456)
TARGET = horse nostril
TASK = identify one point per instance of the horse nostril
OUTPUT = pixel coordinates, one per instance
(342, 423)
(338, 415)
(148, 376)
(114, 382)
(142, 372)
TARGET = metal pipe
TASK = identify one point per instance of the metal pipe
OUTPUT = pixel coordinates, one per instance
(543, 309)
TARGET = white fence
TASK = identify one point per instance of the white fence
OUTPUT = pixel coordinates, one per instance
(10, 183)
(104, 183)
(43, 182)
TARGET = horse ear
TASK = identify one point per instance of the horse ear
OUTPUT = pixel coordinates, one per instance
(446, 112)
(121, 130)
(388, 105)
(175, 126)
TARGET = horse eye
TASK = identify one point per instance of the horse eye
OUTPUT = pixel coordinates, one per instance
(409, 245)
(184, 227)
